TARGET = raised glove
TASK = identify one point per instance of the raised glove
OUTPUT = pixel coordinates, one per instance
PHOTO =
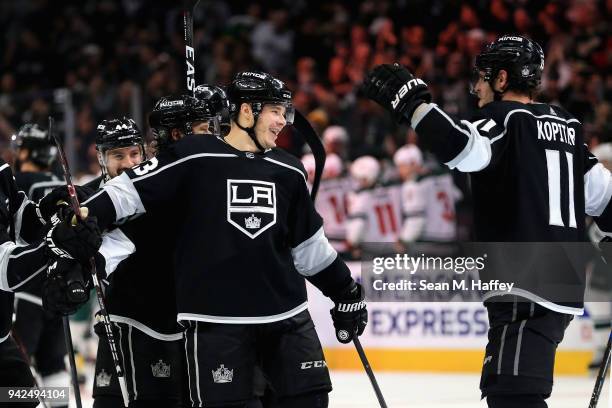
(66, 287)
(349, 314)
(394, 88)
(70, 238)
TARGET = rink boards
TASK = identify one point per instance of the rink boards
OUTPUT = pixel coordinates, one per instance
(435, 337)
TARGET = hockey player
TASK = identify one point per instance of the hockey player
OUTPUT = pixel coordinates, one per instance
(248, 236)
(532, 180)
(332, 198)
(22, 264)
(150, 342)
(216, 98)
(36, 154)
(145, 324)
(599, 283)
(41, 333)
(374, 210)
(428, 200)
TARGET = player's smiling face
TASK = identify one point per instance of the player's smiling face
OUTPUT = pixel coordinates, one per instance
(483, 90)
(269, 124)
(121, 159)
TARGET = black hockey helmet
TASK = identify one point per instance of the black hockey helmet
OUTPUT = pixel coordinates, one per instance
(114, 134)
(521, 57)
(41, 150)
(176, 112)
(117, 133)
(258, 88)
(216, 98)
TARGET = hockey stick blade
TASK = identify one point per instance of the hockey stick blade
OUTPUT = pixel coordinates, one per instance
(601, 375)
(316, 146)
(369, 372)
(188, 7)
(74, 202)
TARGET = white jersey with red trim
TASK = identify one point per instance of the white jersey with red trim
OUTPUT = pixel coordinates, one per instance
(428, 205)
(375, 215)
(332, 205)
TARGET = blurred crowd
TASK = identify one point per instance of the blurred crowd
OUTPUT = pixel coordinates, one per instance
(115, 54)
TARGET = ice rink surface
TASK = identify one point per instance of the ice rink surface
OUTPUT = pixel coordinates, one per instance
(420, 390)
(401, 390)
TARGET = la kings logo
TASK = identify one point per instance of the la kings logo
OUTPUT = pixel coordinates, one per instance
(251, 205)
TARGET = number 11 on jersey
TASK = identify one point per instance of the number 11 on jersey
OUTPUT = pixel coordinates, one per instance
(554, 188)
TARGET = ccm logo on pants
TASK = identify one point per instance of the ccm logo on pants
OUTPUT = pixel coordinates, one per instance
(313, 364)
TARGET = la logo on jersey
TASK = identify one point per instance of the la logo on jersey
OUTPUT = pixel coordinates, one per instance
(251, 205)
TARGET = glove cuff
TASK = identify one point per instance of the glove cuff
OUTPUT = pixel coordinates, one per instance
(351, 293)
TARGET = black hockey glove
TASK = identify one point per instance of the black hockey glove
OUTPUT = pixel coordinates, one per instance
(59, 198)
(396, 89)
(72, 239)
(66, 287)
(350, 315)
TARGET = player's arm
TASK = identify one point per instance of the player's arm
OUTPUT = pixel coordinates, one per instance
(598, 192)
(413, 211)
(466, 146)
(153, 183)
(116, 246)
(316, 260)
(21, 264)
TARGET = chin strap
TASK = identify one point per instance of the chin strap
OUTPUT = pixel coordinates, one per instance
(251, 132)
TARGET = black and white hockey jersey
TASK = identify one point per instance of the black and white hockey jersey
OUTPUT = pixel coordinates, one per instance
(36, 185)
(532, 176)
(248, 233)
(23, 255)
(138, 260)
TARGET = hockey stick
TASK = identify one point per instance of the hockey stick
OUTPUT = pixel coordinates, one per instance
(25, 356)
(316, 146)
(601, 375)
(188, 7)
(74, 202)
(73, 371)
(318, 152)
(369, 372)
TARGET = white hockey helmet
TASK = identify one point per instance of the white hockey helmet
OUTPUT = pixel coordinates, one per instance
(603, 152)
(309, 164)
(333, 166)
(365, 169)
(335, 134)
(408, 155)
